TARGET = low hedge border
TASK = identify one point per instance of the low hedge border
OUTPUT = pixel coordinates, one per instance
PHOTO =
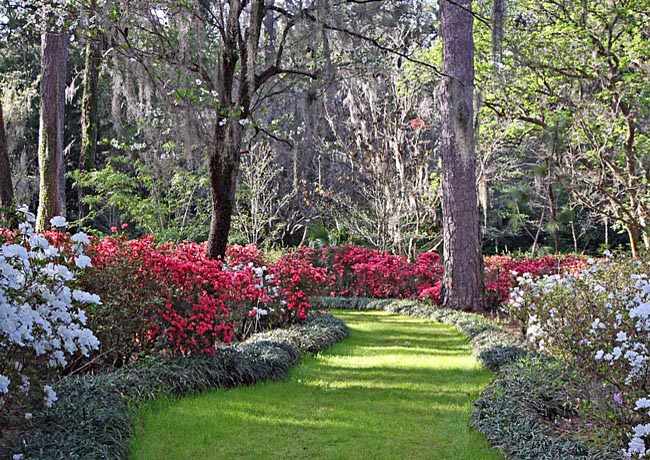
(93, 417)
(530, 394)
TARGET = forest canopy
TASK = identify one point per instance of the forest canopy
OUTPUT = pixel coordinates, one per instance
(319, 120)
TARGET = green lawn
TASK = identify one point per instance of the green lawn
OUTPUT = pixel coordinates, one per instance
(398, 388)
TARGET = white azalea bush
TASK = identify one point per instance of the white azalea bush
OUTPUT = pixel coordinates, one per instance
(598, 320)
(42, 318)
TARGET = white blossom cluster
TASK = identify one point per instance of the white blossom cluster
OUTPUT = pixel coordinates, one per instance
(41, 313)
(617, 329)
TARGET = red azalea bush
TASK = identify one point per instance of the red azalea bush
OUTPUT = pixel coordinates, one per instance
(237, 254)
(298, 278)
(501, 273)
(172, 297)
(365, 272)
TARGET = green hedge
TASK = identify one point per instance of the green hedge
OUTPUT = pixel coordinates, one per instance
(527, 399)
(93, 418)
(529, 395)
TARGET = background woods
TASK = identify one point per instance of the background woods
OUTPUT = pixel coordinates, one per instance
(287, 123)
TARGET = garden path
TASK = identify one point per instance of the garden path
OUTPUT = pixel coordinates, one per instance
(398, 388)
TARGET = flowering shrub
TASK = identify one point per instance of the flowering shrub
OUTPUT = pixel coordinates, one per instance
(244, 255)
(364, 272)
(501, 273)
(297, 279)
(42, 317)
(172, 297)
(599, 320)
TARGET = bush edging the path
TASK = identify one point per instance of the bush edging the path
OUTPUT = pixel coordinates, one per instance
(530, 393)
(93, 417)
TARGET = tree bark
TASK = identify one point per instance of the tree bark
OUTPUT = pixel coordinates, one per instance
(6, 185)
(89, 117)
(228, 134)
(223, 166)
(463, 264)
(51, 200)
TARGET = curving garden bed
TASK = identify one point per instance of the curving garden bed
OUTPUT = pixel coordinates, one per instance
(524, 412)
(93, 418)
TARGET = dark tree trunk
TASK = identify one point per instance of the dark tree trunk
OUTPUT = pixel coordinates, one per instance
(89, 117)
(6, 185)
(51, 200)
(224, 166)
(228, 133)
(463, 264)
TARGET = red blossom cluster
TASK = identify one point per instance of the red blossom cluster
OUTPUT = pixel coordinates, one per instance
(237, 254)
(501, 273)
(298, 278)
(191, 303)
(364, 272)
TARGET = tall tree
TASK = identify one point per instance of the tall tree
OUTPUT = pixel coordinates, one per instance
(89, 114)
(54, 54)
(463, 274)
(236, 105)
(6, 186)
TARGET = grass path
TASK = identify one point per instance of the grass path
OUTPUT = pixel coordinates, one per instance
(398, 388)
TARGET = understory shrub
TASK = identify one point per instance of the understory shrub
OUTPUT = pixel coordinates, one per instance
(42, 314)
(365, 272)
(94, 415)
(171, 297)
(530, 410)
(598, 320)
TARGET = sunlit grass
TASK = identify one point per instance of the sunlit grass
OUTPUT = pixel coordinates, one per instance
(398, 388)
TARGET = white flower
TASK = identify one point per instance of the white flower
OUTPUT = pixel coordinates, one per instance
(4, 384)
(58, 222)
(17, 457)
(262, 312)
(80, 238)
(50, 396)
(85, 297)
(15, 250)
(83, 261)
(37, 241)
(599, 355)
(28, 416)
(25, 228)
(24, 210)
(643, 403)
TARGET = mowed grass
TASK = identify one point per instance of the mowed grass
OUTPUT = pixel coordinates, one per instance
(398, 388)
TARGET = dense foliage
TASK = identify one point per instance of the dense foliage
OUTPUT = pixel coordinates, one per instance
(599, 321)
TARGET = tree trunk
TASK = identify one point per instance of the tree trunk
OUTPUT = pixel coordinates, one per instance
(463, 264)
(89, 117)
(224, 165)
(552, 207)
(223, 181)
(633, 235)
(228, 132)
(51, 200)
(6, 185)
